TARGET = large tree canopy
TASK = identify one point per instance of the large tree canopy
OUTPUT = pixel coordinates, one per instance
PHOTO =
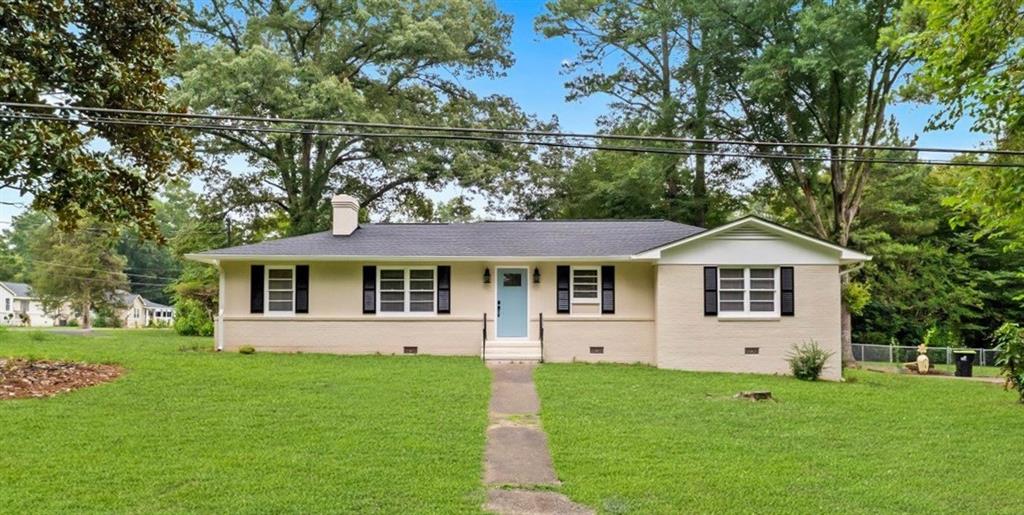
(648, 56)
(972, 63)
(95, 54)
(352, 60)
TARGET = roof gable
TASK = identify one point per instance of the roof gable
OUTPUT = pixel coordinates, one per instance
(732, 241)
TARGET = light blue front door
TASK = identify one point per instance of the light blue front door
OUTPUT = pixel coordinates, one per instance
(511, 303)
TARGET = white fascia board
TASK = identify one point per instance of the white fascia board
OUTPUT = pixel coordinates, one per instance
(846, 256)
(213, 259)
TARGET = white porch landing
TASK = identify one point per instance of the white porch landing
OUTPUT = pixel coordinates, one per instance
(512, 350)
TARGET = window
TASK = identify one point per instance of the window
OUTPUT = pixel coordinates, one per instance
(406, 290)
(7, 304)
(281, 290)
(747, 290)
(585, 285)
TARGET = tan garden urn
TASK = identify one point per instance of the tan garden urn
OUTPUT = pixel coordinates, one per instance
(923, 364)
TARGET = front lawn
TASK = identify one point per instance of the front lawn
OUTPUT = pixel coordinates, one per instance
(641, 440)
(223, 433)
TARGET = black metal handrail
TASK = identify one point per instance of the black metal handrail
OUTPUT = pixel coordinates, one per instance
(483, 351)
(542, 337)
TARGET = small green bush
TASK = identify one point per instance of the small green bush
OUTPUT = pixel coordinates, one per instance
(247, 349)
(37, 335)
(191, 319)
(1009, 340)
(807, 361)
(73, 322)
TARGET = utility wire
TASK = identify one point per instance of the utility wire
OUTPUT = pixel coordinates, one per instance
(630, 149)
(144, 276)
(519, 132)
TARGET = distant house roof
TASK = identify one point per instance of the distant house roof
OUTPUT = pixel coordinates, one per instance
(561, 238)
(150, 304)
(18, 289)
(128, 298)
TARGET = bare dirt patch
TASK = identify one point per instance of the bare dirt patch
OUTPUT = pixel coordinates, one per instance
(20, 378)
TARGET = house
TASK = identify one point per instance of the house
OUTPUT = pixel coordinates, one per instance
(138, 311)
(734, 298)
(18, 307)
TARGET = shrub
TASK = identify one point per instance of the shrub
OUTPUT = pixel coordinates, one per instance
(36, 335)
(247, 349)
(191, 319)
(808, 360)
(72, 323)
(1009, 340)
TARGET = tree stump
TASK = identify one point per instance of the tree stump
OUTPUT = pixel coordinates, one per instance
(760, 395)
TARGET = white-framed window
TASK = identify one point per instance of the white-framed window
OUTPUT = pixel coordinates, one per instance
(406, 290)
(748, 291)
(280, 288)
(7, 304)
(586, 285)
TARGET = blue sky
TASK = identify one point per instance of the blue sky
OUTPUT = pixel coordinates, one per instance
(536, 82)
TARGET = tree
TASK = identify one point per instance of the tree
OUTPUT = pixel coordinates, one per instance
(150, 263)
(971, 55)
(347, 59)
(79, 267)
(93, 54)
(16, 245)
(972, 63)
(820, 72)
(649, 57)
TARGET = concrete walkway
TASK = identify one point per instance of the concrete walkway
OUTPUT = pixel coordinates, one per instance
(517, 464)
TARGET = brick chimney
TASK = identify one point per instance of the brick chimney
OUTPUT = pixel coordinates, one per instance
(346, 215)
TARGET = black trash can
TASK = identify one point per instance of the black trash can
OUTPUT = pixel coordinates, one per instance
(964, 362)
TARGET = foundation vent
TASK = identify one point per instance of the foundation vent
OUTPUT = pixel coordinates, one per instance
(752, 350)
(597, 350)
(410, 350)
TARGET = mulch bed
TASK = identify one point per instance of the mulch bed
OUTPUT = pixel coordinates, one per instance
(20, 378)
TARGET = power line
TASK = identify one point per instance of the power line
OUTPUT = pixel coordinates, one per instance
(630, 149)
(51, 263)
(519, 132)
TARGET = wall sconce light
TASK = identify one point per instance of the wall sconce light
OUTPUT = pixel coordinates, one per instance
(487, 276)
(536, 275)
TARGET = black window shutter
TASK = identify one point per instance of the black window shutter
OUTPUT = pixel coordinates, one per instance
(710, 291)
(608, 289)
(369, 289)
(444, 289)
(256, 289)
(302, 288)
(788, 298)
(562, 301)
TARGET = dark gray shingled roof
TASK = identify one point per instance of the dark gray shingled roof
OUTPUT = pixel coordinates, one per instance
(19, 289)
(587, 238)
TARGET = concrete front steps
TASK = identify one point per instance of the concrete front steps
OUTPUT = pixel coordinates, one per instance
(513, 350)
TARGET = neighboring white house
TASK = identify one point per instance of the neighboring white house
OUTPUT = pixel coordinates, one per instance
(139, 311)
(19, 308)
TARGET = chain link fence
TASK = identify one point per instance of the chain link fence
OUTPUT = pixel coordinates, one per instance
(902, 354)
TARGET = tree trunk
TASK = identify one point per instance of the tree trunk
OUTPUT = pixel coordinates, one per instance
(87, 316)
(846, 333)
(700, 186)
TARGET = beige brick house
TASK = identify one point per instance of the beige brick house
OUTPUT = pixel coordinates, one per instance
(734, 298)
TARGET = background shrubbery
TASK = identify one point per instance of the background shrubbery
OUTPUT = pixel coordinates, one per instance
(192, 319)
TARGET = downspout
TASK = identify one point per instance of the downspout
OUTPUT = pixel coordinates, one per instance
(219, 326)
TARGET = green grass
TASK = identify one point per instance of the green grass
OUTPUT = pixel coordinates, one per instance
(979, 371)
(641, 440)
(226, 433)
